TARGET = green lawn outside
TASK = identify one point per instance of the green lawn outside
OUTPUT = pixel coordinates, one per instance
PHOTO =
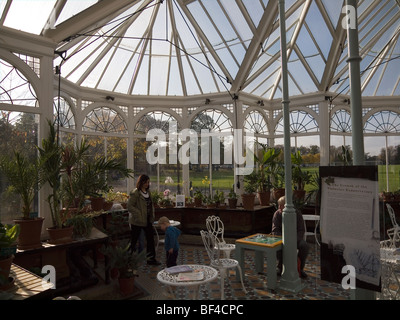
(223, 179)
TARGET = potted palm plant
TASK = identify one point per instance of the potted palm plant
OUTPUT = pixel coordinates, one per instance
(8, 237)
(232, 199)
(51, 155)
(71, 173)
(90, 178)
(250, 188)
(24, 179)
(277, 176)
(265, 161)
(300, 177)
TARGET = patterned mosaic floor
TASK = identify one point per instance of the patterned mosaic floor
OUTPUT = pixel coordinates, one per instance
(256, 284)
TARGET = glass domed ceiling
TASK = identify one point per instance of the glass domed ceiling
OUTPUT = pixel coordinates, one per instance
(193, 47)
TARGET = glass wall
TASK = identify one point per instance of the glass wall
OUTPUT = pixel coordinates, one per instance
(18, 133)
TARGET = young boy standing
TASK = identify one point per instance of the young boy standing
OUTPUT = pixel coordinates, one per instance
(171, 240)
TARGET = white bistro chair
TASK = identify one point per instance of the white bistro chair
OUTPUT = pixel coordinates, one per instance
(222, 265)
(316, 219)
(393, 233)
(215, 226)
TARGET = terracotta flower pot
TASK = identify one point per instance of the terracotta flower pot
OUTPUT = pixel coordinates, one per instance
(107, 205)
(278, 192)
(126, 285)
(197, 202)
(5, 266)
(232, 203)
(60, 235)
(30, 233)
(299, 194)
(264, 198)
(248, 201)
(97, 204)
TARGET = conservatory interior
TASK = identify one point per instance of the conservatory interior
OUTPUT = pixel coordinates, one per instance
(213, 100)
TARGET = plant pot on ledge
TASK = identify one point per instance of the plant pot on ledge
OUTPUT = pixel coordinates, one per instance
(97, 203)
(264, 198)
(30, 233)
(197, 202)
(60, 235)
(299, 195)
(107, 205)
(232, 203)
(278, 192)
(248, 201)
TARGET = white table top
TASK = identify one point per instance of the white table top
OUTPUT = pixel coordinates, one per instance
(171, 279)
(314, 217)
(173, 223)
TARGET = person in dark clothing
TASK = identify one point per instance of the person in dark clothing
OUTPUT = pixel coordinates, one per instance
(141, 216)
(301, 243)
(171, 241)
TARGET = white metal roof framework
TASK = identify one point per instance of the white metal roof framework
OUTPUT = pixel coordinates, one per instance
(187, 47)
(181, 57)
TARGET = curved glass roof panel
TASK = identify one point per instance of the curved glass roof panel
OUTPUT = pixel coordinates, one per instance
(194, 47)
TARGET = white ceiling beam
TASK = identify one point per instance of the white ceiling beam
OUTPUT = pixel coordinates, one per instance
(147, 35)
(270, 61)
(93, 17)
(295, 35)
(175, 39)
(205, 40)
(263, 30)
(338, 41)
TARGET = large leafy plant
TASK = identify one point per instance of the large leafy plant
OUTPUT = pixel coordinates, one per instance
(300, 177)
(123, 259)
(8, 236)
(23, 177)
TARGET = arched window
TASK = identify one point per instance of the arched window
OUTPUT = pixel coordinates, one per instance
(341, 121)
(302, 127)
(383, 122)
(385, 125)
(164, 176)
(217, 174)
(154, 120)
(64, 117)
(14, 87)
(104, 120)
(300, 122)
(103, 127)
(255, 123)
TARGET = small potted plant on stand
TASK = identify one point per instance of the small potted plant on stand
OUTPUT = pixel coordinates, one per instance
(8, 237)
(232, 199)
(198, 198)
(24, 179)
(156, 198)
(219, 198)
(249, 195)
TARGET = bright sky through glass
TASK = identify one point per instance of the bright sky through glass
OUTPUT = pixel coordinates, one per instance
(29, 16)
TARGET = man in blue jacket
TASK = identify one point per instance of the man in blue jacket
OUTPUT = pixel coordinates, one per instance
(171, 240)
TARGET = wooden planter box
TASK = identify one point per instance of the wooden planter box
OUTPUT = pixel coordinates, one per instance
(237, 222)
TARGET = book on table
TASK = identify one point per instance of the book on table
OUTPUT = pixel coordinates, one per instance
(191, 276)
(179, 269)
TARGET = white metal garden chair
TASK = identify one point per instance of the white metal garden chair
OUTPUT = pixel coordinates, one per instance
(213, 251)
(215, 226)
(393, 233)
